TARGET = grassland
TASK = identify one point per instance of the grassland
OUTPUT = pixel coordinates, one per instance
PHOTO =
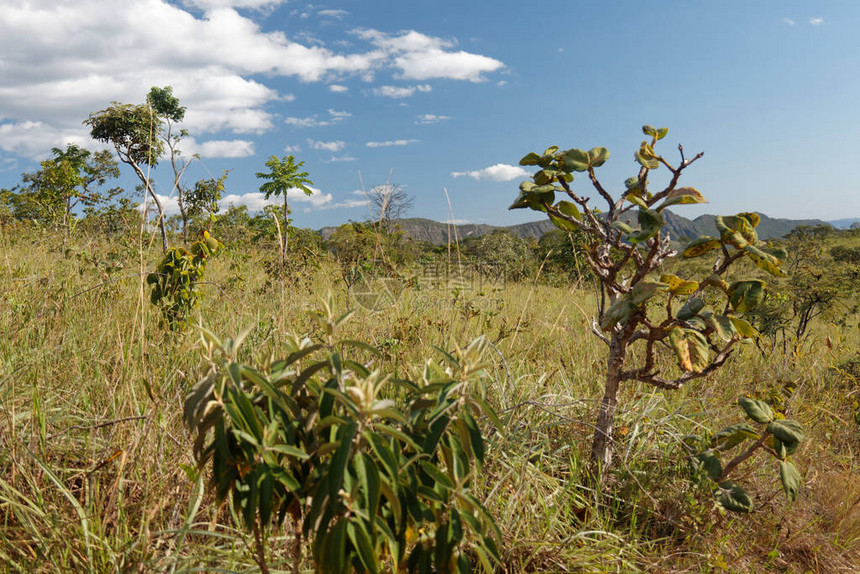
(95, 463)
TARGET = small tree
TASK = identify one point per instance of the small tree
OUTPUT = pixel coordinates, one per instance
(283, 177)
(72, 177)
(204, 197)
(166, 105)
(133, 132)
(625, 259)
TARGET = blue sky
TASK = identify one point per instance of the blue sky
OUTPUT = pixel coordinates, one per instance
(449, 95)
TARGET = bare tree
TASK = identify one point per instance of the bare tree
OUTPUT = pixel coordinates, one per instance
(388, 203)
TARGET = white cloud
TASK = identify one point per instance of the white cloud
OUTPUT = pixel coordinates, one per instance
(788, 21)
(335, 117)
(35, 139)
(292, 149)
(338, 116)
(309, 122)
(498, 172)
(339, 14)
(430, 119)
(391, 143)
(349, 203)
(339, 158)
(225, 148)
(62, 60)
(212, 4)
(816, 21)
(256, 201)
(337, 88)
(422, 57)
(334, 146)
(401, 91)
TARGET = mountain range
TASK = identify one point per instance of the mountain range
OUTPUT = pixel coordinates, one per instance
(679, 227)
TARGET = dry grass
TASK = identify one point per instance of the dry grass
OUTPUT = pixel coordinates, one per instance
(95, 463)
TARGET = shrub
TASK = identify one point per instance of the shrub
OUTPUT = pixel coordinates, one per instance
(312, 439)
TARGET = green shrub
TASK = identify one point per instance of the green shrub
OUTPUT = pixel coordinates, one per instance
(371, 483)
(174, 282)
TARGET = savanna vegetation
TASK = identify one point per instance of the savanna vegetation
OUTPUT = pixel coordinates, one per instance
(225, 391)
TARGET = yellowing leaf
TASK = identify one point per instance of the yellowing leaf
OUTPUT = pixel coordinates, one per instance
(679, 345)
(700, 246)
(682, 196)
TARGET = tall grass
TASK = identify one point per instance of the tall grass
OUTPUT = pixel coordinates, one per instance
(96, 473)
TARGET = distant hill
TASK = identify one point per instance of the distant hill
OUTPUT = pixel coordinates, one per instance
(438, 233)
(845, 223)
(768, 228)
(679, 227)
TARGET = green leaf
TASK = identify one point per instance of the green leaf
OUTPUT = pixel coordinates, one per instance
(550, 150)
(649, 130)
(632, 184)
(597, 156)
(732, 497)
(788, 431)
(562, 223)
(746, 295)
(710, 464)
(362, 542)
(475, 439)
(290, 451)
(622, 227)
(690, 309)
(733, 435)
(368, 477)
(576, 160)
(437, 475)
(651, 221)
(545, 176)
(618, 312)
(645, 290)
(721, 325)
(759, 411)
(332, 550)
(569, 209)
(790, 478)
(700, 246)
(661, 133)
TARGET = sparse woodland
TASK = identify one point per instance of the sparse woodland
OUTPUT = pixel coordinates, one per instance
(225, 391)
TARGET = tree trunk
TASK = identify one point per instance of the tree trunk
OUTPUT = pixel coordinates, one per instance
(146, 184)
(184, 215)
(286, 234)
(601, 448)
(162, 224)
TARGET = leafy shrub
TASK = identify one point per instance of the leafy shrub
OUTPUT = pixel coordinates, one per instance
(371, 483)
(174, 282)
(637, 306)
(770, 432)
